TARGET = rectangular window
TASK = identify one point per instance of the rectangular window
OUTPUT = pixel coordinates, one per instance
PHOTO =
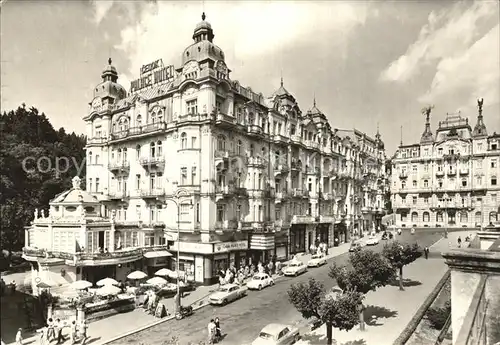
(184, 176)
(493, 181)
(184, 212)
(137, 181)
(426, 167)
(192, 106)
(414, 168)
(90, 185)
(220, 213)
(414, 184)
(193, 175)
(277, 213)
(97, 184)
(478, 180)
(426, 200)
(149, 239)
(414, 200)
(493, 163)
(440, 151)
(197, 212)
(218, 104)
(193, 142)
(464, 183)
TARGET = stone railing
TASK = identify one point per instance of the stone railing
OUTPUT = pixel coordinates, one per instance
(123, 253)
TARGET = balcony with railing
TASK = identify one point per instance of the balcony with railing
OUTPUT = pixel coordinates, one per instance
(452, 172)
(152, 192)
(403, 174)
(278, 138)
(152, 162)
(280, 168)
(303, 219)
(255, 130)
(119, 166)
(440, 173)
(297, 193)
(306, 193)
(226, 225)
(296, 138)
(150, 128)
(96, 141)
(464, 171)
(296, 165)
(256, 162)
(222, 192)
(327, 218)
(225, 120)
(118, 194)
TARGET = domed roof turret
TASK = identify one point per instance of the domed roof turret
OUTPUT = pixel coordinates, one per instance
(109, 86)
(203, 47)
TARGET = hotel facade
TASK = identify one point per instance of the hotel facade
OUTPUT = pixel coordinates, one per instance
(449, 179)
(241, 177)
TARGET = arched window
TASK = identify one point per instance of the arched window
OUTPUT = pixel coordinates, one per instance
(477, 218)
(184, 140)
(158, 144)
(426, 217)
(123, 123)
(125, 154)
(463, 217)
(114, 127)
(221, 143)
(439, 217)
(263, 152)
(96, 159)
(90, 157)
(138, 121)
(239, 147)
(152, 149)
(414, 217)
(160, 116)
(252, 150)
(119, 155)
(153, 117)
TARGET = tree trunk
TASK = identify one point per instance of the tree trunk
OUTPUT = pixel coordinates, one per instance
(329, 334)
(401, 279)
(361, 319)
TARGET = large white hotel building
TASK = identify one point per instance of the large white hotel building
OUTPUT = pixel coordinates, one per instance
(450, 178)
(240, 176)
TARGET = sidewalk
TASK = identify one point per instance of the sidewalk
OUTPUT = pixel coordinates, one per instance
(103, 330)
(388, 310)
(445, 244)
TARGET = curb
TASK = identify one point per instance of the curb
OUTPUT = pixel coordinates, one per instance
(118, 337)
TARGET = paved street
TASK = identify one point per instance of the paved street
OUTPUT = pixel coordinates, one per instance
(243, 319)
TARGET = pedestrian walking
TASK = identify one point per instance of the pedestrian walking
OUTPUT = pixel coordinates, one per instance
(459, 241)
(83, 332)
(51, 334)
(19, 337)
(43, 336)
(211, 331)
(270, 267)
(58, 327)
(218, 333)
(426, 252)
(72, 332)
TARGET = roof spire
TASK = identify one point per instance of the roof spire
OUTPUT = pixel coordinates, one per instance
(281, 77)
(314, 100)
(401, 142)
(110, 61)
(203, 16)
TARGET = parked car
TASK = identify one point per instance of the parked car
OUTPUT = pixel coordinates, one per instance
(260, 281)
(295, 268)
(277, 334)
(356, 246)
(317, 260)
(372, 241)
(227, 293)
(171, 289)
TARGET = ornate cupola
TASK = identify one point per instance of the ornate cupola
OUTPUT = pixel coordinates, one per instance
(109, 89)
(427, 137)
(203, 48)
(480, 128)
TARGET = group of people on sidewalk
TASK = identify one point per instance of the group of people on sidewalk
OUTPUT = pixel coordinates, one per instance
(232, 275)
(54, 331)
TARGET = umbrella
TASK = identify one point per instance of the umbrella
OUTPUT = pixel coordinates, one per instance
(156, 281)
(43, 285)
(81, 285)
(136, 275)
(107, 281)
(164, 272)
(108, 290)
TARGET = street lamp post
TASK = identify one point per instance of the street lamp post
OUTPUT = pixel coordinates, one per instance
(178, 296)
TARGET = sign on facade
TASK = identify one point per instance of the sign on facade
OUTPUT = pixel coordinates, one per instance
(228, 246)
(151, 74)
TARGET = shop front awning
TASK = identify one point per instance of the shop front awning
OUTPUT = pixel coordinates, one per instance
(157, 254)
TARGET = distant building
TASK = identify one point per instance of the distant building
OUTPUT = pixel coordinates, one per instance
(243, 178)
(448, 179)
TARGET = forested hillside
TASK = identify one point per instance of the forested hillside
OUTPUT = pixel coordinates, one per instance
(29, 174)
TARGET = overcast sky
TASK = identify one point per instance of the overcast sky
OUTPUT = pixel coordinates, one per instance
(366, 62)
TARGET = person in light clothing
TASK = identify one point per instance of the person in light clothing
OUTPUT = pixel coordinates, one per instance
(19, 337)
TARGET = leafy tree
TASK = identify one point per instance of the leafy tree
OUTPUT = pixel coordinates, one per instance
(336, 311)
(400, 255)
(26, 133)
(366, 272)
